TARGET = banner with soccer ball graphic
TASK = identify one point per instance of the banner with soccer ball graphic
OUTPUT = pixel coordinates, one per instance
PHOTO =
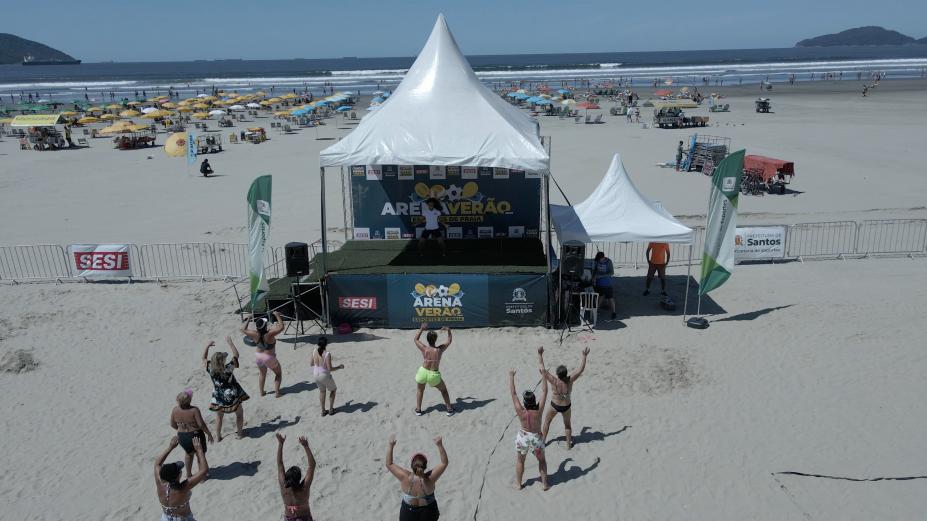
(477, 203)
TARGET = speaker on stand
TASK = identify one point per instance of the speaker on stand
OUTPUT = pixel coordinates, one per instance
(572, 266)
(297, 259)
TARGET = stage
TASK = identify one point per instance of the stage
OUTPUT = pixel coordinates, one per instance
(482, 282)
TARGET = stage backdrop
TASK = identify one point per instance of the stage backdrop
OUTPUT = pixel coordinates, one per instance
(456, 300)
(478, 203)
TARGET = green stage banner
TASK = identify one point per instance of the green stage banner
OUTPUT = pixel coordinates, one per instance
(718, 258)
(258, 230)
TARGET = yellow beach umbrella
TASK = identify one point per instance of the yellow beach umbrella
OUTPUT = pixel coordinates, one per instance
(94, 109)
(288, 95)
(87, 120)
(185, 109)
(209, 98)
(136, 128)
(129, 113)
(201, 106)
(281, 113)
(118, 128)
(168, 105)
(134, 103)
(260, 93)
(6, 121)
(114, 106)
(68, 113)
(155, 114)
(201, 115)
(107, 117)
(274, 100)
(176, 144)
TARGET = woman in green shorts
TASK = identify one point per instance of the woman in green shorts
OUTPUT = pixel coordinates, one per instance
(429, 372)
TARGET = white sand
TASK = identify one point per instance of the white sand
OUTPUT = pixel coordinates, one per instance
(809, 367)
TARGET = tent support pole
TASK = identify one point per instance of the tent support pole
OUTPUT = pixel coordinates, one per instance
(324, 223)
(685, 304)
(548, 243)
(344, 204)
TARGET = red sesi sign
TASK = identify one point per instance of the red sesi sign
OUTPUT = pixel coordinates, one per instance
(101, 260)
(357, 302)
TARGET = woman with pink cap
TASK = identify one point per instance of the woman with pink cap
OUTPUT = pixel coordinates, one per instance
(418, 485)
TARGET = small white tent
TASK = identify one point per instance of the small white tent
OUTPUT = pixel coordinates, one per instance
(617, 212)
(440, 114)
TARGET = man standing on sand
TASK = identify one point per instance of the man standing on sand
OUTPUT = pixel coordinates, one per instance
(429, 372)
(679, 156)
(658, 255)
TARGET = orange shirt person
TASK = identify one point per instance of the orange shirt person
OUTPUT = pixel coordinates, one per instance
(658, 256)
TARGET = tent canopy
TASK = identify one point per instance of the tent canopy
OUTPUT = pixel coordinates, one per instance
(617, 212)
(36, 120)
(440, 114)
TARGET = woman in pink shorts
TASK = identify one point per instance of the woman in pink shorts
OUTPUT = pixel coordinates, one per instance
(266, 356)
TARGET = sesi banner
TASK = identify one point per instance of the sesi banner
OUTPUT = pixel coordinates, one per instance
(100, 260)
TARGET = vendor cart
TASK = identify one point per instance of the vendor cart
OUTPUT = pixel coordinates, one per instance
(766, 175)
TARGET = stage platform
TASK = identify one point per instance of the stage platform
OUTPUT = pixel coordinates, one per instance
(463, 256)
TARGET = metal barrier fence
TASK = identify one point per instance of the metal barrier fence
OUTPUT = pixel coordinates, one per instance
(200, 260)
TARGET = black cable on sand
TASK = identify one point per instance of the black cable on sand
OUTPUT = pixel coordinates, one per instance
(802, 474)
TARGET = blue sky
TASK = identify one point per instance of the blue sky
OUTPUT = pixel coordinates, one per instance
(129, 30)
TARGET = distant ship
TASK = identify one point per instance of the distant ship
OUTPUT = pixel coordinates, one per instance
(29, 60)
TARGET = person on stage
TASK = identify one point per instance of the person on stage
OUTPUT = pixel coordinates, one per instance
(603, 271)
(173, 494)
(432, 213)
(322, 368)
(293, 487)
(429, 372)
(529, 437)
(189, 424)
(227, 393)
(265, 339)
(658, 256)
(418, 484)
(561, 401)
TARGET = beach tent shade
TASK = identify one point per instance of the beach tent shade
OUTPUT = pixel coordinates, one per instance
(36, 120)
(676, 104)
(441, 114)
(768, 167)
(617, 212)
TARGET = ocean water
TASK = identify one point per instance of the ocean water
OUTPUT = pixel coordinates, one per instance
(67, 82)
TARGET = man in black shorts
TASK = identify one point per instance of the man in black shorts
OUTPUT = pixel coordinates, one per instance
(432, 230)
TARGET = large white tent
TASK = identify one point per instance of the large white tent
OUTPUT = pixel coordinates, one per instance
(440, 114)
(617, 212)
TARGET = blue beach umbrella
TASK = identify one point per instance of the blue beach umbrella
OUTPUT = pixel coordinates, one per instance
(564, 91)
(378, 99)
(344, 108)
(512, 94)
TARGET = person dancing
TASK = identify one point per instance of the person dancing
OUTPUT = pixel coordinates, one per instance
(429, 372)
(321, 361)
(560, 402)
(173, 494)
(417, 484)
(266, 357)
(188, 422)
(529, 437)
(294, 489)
(227, 393)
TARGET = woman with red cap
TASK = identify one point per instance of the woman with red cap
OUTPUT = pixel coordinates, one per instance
(418, 484)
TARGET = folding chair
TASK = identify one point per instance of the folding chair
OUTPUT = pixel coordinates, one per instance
(589, 303)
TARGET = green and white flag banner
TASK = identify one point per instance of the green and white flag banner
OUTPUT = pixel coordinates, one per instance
(258, 231)
(718, 258)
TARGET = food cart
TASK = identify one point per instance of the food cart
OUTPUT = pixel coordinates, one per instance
(763, 105)
(256, 135)
(766, 174)
(208, 144)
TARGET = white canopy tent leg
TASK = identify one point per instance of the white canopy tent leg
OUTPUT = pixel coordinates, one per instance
(685, 304)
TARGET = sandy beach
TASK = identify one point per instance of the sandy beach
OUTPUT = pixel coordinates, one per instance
(808, 367)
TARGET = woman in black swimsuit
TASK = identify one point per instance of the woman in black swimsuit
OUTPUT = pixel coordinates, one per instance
(417, 484)
(189, 424)
(560, 401)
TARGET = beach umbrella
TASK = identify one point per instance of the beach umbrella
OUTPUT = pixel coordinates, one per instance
(378, 99)
(217, 112)
(168, 105)
(134, 103)
(87, 120)
(586, 105)
(237, 108)
(94, 109)
(344, 108)
(281, 113)
(118, 128)
(129, 113)
(146, 110)
(201, 106)
(563, 91)
(176, 144)
(260, 93)
(155, 114)
(106, 117)
(544, 102)
(184, 109)
(113, 106)
(201, 115)
(510, 94)
(274, 100)
(288, 95)
(253, 105)
(378, 92)
(68, 113)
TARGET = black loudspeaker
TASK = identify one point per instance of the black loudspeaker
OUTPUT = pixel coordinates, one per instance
(572, 257)
(297, 258)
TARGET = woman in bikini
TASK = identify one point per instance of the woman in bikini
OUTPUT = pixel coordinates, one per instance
(293, 487)
(265, 338)
(529, 437)
(188, 422)
(430, 370)
(173, 494)
(321, 362)
(560, 402)
(417, 484)
(227, 393)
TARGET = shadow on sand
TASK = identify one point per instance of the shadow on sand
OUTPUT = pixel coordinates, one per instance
(587, 435)
(268, 426)
(234, 470)
(468, 403)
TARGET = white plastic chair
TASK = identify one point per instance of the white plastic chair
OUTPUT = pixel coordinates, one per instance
(589, 302)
